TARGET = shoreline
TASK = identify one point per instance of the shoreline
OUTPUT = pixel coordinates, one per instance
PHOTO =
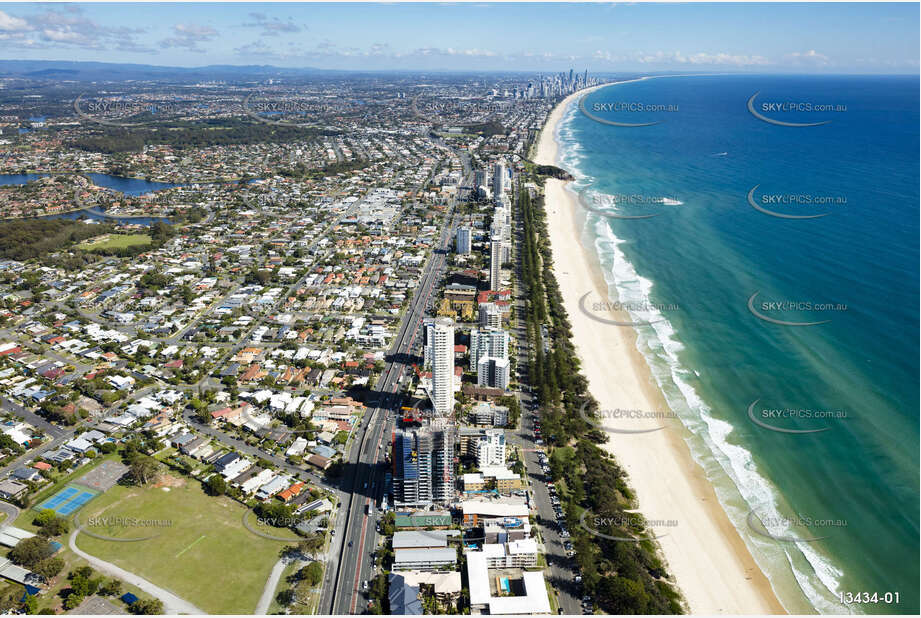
(705, 554)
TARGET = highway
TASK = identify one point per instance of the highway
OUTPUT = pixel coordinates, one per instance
(363, 478)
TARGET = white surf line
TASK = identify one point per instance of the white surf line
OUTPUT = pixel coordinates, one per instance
(172, 604)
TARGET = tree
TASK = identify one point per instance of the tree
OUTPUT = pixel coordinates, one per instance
(215, 485)
(312, 573)
(285, 597)
(111, 588)
(49, 568)
(312, 544)
(30, 605)
(148, 607)
(29, 552)
(50, 524)
(143, 469)
(622, 596)
(72, 600)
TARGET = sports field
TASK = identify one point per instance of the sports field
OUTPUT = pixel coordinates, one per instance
(205, 554)
(115, 241)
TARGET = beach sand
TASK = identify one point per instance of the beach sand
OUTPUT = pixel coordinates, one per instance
(705, 553)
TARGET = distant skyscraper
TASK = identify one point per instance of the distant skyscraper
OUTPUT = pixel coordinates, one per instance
(462, 244)
(442, 393)
(495, 262)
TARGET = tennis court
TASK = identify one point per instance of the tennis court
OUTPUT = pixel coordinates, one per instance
(67, 500)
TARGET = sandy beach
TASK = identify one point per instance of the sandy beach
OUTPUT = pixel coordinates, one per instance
(705, 554)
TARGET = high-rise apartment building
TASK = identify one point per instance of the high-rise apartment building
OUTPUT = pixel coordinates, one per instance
(442, 391)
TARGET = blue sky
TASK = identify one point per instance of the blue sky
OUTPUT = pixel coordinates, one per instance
(827, 38)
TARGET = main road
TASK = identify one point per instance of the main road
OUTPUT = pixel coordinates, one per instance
(363, 483)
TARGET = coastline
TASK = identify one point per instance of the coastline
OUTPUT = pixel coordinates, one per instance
(705, 554)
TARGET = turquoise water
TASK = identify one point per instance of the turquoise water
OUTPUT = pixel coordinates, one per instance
(695, 264)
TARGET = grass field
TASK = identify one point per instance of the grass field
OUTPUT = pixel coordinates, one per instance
(115, 241)
(50, 597)
(205, 556)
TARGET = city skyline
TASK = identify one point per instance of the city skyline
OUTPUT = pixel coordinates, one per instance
(800, 38)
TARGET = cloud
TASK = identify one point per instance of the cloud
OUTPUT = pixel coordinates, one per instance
(699, 58)
(811, 57)
(272, 27)
(65, 27)
(8, 23)
(450, 51)
(188, 36)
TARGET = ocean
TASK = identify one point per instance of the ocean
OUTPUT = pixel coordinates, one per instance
(777, 268)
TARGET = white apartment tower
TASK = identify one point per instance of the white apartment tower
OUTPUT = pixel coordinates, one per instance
(493, 372)
(499, 179)
(490, 315)
(490, 449)
(495, 262)
(487, 342)
(442, 393)
(463, 242)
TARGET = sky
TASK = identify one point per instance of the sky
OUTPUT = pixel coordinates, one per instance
(599, 37)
